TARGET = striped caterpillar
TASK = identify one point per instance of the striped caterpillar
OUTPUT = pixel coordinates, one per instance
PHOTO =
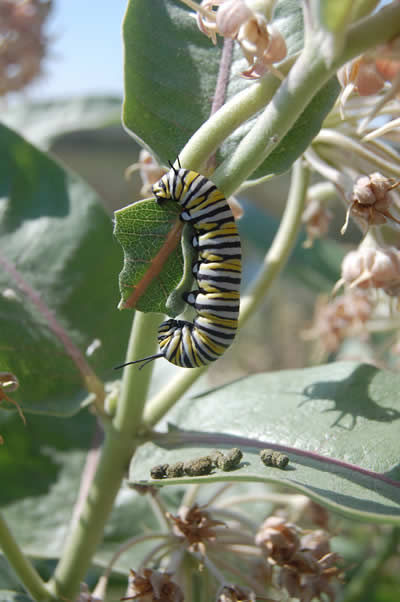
(217, 271)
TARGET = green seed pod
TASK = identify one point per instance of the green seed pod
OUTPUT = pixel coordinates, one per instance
(175, 470)
(198, 466)
(159, 471)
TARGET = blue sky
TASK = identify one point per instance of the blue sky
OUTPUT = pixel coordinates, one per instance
(85, 52)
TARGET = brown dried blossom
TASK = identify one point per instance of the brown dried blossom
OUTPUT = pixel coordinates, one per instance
(373, 268)
(338, 318)
(368, 74)
(278, 539)
(316, 514)
(311, 570)
(316, 218)
(22, 42)
(195, 526)
(307, 578)
(371, 201)
(152, 586)
(150, 171)
(234, 593)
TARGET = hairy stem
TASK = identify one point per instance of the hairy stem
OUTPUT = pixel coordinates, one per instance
(305, 78)
(282, 244)
(22, 565)
(117, 451)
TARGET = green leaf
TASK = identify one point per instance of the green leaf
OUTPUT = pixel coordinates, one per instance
(170, 84)
(338, 423)
(151, 268)
(59, 262)
(42, 465)
(41, 122)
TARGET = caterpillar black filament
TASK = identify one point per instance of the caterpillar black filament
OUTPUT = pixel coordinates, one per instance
(217, 271)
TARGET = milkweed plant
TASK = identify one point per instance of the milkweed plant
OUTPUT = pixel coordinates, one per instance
(151, 483)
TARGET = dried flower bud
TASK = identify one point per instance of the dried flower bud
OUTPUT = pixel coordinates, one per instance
(311, 571)
(159, 471)
(278, 539)
(369, 267)
(362, 74)
(234, 593)
(368, 73)
(231, 15)
(150, 171)
(152, 586)
(262, 44)
(316, 217)
(23, 43)
(198, 466)
(195, 526)
(371, 201)
(336, 319)
(316, 514)
(175, 470)
(317, 543)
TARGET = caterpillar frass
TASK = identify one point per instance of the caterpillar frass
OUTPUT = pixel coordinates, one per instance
(217, 271)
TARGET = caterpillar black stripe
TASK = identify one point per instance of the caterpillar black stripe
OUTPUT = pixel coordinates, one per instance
(217, 271)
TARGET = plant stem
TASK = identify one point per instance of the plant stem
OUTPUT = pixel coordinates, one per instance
(304, 80)
(117, 451)
(229, 117)
(22, 565)
(282, 244)
(361, 584)
(135, 382)
(168, 396)
(87, 534)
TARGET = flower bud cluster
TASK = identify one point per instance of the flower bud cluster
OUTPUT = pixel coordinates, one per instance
(371, 201)
(368, 74)
(23, 43)
(152, 586)
(316, 218)
(195, 526)
(234, 593)
(307, 567)
(335, 319)
(261, 43)
(373, 268)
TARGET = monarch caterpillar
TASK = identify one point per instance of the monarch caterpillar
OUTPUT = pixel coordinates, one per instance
(217, 271)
